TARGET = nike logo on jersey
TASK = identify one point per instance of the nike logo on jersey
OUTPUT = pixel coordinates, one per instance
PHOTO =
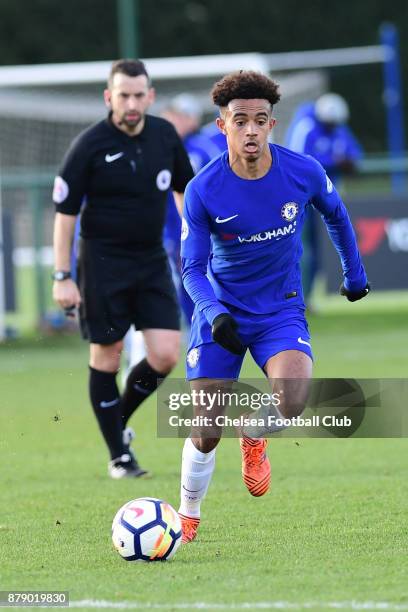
(111, 158)
(218, 220)
(304, 342)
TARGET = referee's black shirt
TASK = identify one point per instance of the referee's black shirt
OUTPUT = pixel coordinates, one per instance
(123, 181)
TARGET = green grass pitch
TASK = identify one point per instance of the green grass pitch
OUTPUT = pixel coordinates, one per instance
(332, 531)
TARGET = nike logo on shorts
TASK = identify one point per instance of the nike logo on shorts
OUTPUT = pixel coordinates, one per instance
(218, 220)
(304, 342)
(111, 158)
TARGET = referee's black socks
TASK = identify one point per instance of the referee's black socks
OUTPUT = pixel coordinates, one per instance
(141, 382)
(106, 402)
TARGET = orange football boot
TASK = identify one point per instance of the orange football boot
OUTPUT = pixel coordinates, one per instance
(189, 526)
(256, 469)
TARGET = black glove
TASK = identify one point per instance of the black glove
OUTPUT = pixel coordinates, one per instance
(224, 333)
(353, 296)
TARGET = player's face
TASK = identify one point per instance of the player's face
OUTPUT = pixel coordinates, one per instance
(129, 98)
(247, 124)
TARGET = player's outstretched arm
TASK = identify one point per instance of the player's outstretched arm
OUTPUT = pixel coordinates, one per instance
(195, 251)
(328, 202)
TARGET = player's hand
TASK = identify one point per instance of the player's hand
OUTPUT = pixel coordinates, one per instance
(353, 296)
(66, 294)
(224, 333)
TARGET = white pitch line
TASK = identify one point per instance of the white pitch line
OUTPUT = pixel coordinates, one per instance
(262, 605)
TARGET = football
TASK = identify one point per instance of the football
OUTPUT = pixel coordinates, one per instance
(146, 529)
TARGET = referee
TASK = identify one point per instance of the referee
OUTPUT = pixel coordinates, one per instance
(117, 173)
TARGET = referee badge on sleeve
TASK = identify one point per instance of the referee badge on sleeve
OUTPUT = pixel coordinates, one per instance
(60, 191)
(163, 180)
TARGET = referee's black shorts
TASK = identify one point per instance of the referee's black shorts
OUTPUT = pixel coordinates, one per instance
(120, 287)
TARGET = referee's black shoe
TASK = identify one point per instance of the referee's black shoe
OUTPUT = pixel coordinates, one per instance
(126, 466)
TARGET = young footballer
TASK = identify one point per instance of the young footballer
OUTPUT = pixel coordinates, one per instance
(241, 250)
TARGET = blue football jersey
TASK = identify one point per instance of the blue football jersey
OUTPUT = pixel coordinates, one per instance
(241, 239)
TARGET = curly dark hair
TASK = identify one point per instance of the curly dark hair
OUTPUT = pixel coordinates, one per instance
(245, 85)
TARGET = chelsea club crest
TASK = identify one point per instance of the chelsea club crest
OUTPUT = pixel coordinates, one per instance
(193, 357)
(289, 211)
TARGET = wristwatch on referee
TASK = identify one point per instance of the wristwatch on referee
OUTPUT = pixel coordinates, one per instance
(61, 275)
